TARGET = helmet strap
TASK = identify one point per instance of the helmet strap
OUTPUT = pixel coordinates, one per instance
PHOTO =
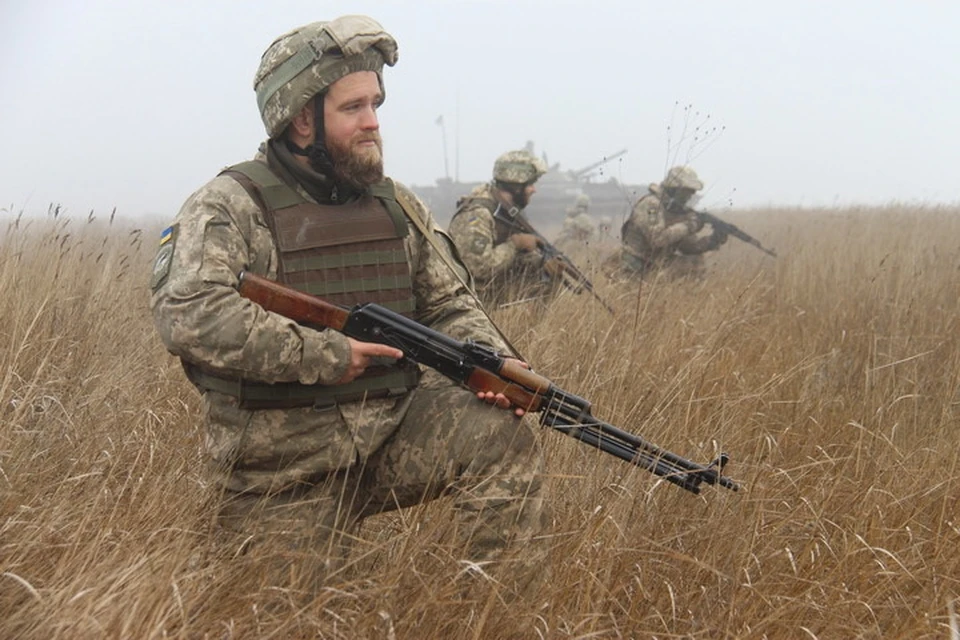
(317, 153)
(294, 148)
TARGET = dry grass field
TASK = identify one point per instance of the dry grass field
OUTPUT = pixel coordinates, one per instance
(830, 375)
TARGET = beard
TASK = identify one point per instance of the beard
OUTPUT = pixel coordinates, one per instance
(520, 197)
(356, 166)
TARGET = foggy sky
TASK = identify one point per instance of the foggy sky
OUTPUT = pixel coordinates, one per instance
(135, 105)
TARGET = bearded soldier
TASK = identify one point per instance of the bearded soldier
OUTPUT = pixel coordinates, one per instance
(661, 232)
(309, 431)
(504, 259)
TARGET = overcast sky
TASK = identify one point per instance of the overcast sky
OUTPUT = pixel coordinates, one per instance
(136, 104)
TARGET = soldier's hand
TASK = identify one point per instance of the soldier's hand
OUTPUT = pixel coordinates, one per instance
(524, 241)
(718, 237)
(361, 354)
(501, 400)
(554, 267)
(694, 223)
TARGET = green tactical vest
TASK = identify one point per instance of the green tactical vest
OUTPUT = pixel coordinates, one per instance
(347, 254)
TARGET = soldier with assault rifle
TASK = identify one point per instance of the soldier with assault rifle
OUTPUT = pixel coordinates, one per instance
(314, 423)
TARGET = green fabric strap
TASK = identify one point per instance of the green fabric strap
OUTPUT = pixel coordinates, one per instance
(276, 193)
(386, 193)
(291, 68)
(356, 285)
(343, 260)
(397, 381)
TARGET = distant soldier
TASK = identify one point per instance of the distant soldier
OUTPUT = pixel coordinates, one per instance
(505, 262)
(581, 205)
(578, 229)
(604, 228)
(662, 230)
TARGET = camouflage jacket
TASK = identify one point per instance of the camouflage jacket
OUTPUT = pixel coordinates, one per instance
(654, 233)
(485, 249)
(578, 226)
(202, 319)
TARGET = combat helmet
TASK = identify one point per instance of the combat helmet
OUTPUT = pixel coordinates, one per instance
(301, 63)
(518, 167)
(580, 205)
(682, 178)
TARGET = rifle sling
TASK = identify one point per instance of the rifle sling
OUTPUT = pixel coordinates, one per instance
(408, 209)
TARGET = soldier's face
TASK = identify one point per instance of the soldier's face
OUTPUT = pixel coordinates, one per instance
(351, 129)
(681, 196)
(522, 198)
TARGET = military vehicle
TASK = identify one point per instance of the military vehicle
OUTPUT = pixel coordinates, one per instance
(557, 190)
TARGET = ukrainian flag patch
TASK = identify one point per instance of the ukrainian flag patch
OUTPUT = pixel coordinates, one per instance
(161, 264)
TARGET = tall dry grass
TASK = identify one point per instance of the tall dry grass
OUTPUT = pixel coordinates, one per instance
(829, 375)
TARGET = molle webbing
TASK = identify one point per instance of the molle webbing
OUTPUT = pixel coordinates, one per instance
(348, 254)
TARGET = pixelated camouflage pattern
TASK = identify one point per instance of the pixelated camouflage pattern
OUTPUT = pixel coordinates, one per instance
(491, 462)
(682, 178)
(502, 272)
(351, 44)
(518, 167)
(474, 231)
(201, 318)
(655, 235)
(578, 228)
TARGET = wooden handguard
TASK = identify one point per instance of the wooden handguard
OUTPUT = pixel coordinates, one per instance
(300, 307)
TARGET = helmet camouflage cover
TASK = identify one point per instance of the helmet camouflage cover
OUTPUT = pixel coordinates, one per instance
(518, 167)
(303, 62)
(682, 178)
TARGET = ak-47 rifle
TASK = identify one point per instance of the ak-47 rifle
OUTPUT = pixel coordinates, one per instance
(480, 368)
(733, 230)
(515, 220)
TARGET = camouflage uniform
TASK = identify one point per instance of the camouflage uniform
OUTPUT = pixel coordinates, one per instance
(500, 270)
(578, 229)
(300, 479)
(662, 234)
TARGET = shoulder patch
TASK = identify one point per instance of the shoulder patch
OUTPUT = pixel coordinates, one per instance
(161, 264)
